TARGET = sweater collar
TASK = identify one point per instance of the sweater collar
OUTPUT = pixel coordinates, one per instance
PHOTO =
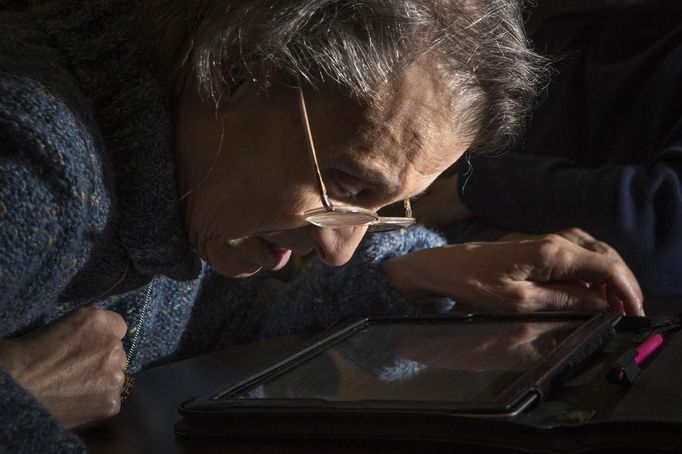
(103, 45)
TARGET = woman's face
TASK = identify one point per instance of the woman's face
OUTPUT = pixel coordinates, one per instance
(246, 176)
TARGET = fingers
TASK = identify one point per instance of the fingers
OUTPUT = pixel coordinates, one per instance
(587, 241)
(616, 303)
(569, 262)
(76, 366)
(621, 290)
(119, 359)
(116, 323)
(539, 296)
(577, 236)
(621, 287)
(541, 273)
(100, 320)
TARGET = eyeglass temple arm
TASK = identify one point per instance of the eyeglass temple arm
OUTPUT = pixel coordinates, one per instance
(313, 157)
(311, 149)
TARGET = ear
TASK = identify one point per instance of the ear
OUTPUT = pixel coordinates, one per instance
(233, 97)
(254, 76)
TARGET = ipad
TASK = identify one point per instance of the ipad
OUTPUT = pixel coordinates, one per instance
(490, 366)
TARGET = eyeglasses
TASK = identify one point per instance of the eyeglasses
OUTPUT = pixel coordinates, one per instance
(337, 216)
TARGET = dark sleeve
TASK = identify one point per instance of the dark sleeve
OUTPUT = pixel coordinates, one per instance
(635, 208)
(475, 229)
(44, 193)
(27, 427)
(236, 311)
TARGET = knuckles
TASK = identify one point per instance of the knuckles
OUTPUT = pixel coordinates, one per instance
(117, 380)
(101, 321)
(577, 235)
(602, 248)
(575, 231)
(116, 357)
(110, 384)
(550, 241)
(553, 249)
(111, 407)
(587, 241)
(521, 296)
(90, 340)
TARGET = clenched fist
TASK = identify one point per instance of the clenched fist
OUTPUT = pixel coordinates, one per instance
(73, 366)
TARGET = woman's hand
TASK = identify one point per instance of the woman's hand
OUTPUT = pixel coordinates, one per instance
(545, 272)
(74, 366)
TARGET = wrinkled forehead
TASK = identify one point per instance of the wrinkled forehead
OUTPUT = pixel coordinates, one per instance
(410, 135)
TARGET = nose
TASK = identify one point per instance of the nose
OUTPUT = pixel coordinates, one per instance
(336, 246)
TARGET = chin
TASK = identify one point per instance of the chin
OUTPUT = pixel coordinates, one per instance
(236, 271)
(245, 274)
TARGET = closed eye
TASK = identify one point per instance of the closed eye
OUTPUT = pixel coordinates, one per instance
(345, 187)
(342, 193)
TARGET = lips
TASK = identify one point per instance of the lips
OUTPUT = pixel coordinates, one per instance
(276, 257)
(282, 258)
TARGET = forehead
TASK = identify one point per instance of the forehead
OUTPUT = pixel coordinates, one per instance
(409, 136)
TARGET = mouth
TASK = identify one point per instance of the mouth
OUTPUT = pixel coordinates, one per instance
(275, 258)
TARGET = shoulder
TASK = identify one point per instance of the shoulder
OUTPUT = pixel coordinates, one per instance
(41, 108)
(52, 190)
(47, 136)
(45, 126)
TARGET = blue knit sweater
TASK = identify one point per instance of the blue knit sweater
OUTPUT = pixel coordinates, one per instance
(89, 212)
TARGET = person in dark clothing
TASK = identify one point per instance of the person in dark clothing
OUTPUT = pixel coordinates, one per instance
(603, 151)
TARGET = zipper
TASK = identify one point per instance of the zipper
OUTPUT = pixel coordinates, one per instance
(138, 327)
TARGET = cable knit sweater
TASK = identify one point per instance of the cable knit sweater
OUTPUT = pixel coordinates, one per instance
(89, 213)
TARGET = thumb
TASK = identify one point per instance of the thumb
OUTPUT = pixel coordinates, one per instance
(566, 297)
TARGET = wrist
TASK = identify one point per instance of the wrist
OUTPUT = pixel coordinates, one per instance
(4, 355)
(394, 274)
(415, 290)
(10, 359)
(399, 274)
(516, 236)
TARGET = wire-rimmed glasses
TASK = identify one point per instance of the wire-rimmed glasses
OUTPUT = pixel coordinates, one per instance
(337, 216)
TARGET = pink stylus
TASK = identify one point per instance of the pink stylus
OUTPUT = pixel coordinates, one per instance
(645, 349)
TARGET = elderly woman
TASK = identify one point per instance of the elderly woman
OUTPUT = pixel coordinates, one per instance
(149, 151)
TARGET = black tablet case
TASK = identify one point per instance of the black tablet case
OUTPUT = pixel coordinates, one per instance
(587, 413)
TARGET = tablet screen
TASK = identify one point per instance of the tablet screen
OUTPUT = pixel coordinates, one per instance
(464, 362)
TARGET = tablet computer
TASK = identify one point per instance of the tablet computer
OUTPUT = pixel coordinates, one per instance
(393, 372)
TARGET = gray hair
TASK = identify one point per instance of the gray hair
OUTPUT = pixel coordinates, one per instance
(360, 45)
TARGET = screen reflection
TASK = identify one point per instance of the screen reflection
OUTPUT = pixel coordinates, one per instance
(461, 362)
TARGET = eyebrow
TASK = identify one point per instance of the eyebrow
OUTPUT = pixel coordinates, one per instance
(376, 178)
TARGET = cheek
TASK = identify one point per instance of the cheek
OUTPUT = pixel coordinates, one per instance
(264, 191)
(262, 179)
(230, 260)
(285, 210)
(273, 208)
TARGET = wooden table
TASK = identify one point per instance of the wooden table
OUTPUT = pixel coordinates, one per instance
(146, 422)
